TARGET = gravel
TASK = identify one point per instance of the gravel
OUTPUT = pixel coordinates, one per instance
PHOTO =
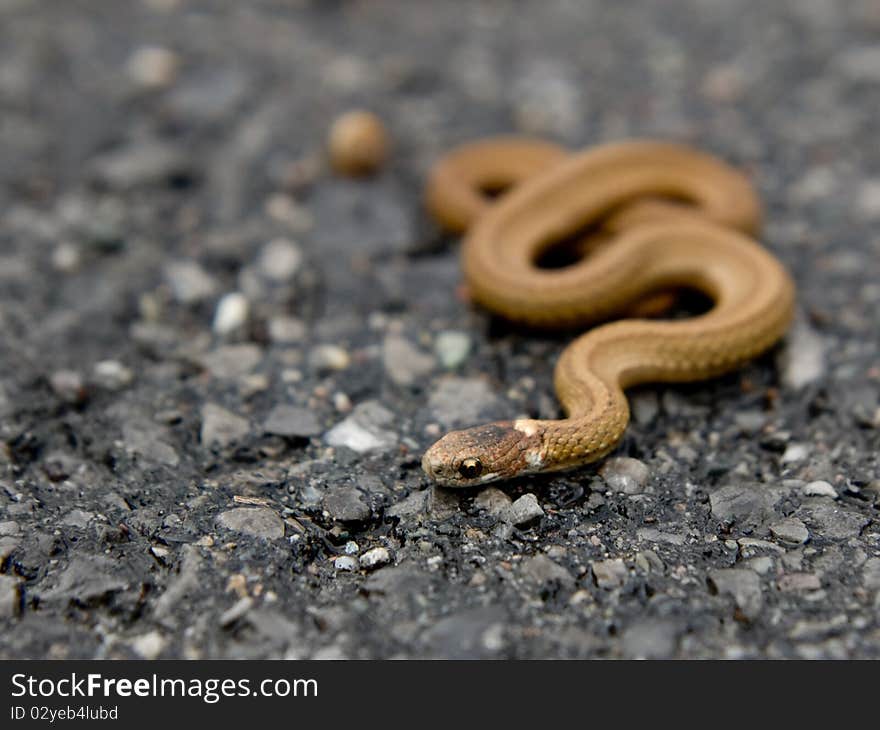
(221, 363)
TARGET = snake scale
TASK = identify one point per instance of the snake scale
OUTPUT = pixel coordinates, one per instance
(660, 217)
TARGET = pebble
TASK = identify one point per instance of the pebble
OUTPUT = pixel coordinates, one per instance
(833, 522)
(260, 522)
(609, 574)
(149, 440)
(88, 580)
(112, 375)
(441, 503)
(345, 563)
(292, 422)
(871, 574)
(280, 260)
(462, 401)
(452, 348)
(743, 585)
(153, 67)
(545, 572)
(329, 358)
(795, 453)
(404, 363)
(286, 330)
(790, 531)
(649, 561)
(357, 143)
(231, 314)
(149, 645)
(624, 474)
(375, 558)
(345, 504)
(524, 510)
(645, 406)
(650, 639)
(232, 361)
(820, 489)
(10, 596)
(365, 429)
(742, 503)
(236, 611)
(794, 582)
(221, 427)
(69, 386)
(494, 501)
(189, 282)
(77, 518)
(142, 163)
(802, 358)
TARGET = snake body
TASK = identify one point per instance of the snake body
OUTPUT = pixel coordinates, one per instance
(666, 217)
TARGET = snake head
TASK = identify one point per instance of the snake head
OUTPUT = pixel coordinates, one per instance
(483, 454)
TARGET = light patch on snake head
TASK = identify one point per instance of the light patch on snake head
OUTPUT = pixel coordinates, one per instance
(482, 454)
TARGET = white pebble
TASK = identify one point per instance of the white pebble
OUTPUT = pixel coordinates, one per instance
(153, 67)
(346, 563)
(231, 314)
(820, 489)
(375, 557)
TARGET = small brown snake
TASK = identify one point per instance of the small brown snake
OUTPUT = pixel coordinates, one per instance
(665, 217)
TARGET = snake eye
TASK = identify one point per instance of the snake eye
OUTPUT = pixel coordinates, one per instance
(470, 468)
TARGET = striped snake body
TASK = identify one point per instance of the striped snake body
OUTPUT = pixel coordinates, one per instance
(662, 217)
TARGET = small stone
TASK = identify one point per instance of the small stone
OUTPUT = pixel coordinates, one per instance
(741, 503)
(820, 489)
(461, 401)
(375, 558)
(868, 200)
(442, 503)
(259, 522)
(452, 348)
(609, 574)
(871, 574)
(832, 521)
(231, 314)
(404, 363)
(292, 422)
(286, 330)
(802, 359)
(280, 260)
(623, 474)
(494, 501)
(859, 63)
(221, 427)
(762, 565)
(790, 531)
(142, 163)
(524, 510)
(77, 518)
(795, 453)
(649, 561)
(543, 571)
(69, 386)
(189, 282)
(329, 358)
(232, 361)
(152, 67)
(650, 639)
(88, 580)
(345, 563)
(112, 375)
(150, 441)
(364, 430)
(794, 582)
(345, 504)
(413, 504)
(357, 143)
(149, 645)
(66, 258)
(10, 596)
(236, 611)
(743, 585)
(645, 406)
